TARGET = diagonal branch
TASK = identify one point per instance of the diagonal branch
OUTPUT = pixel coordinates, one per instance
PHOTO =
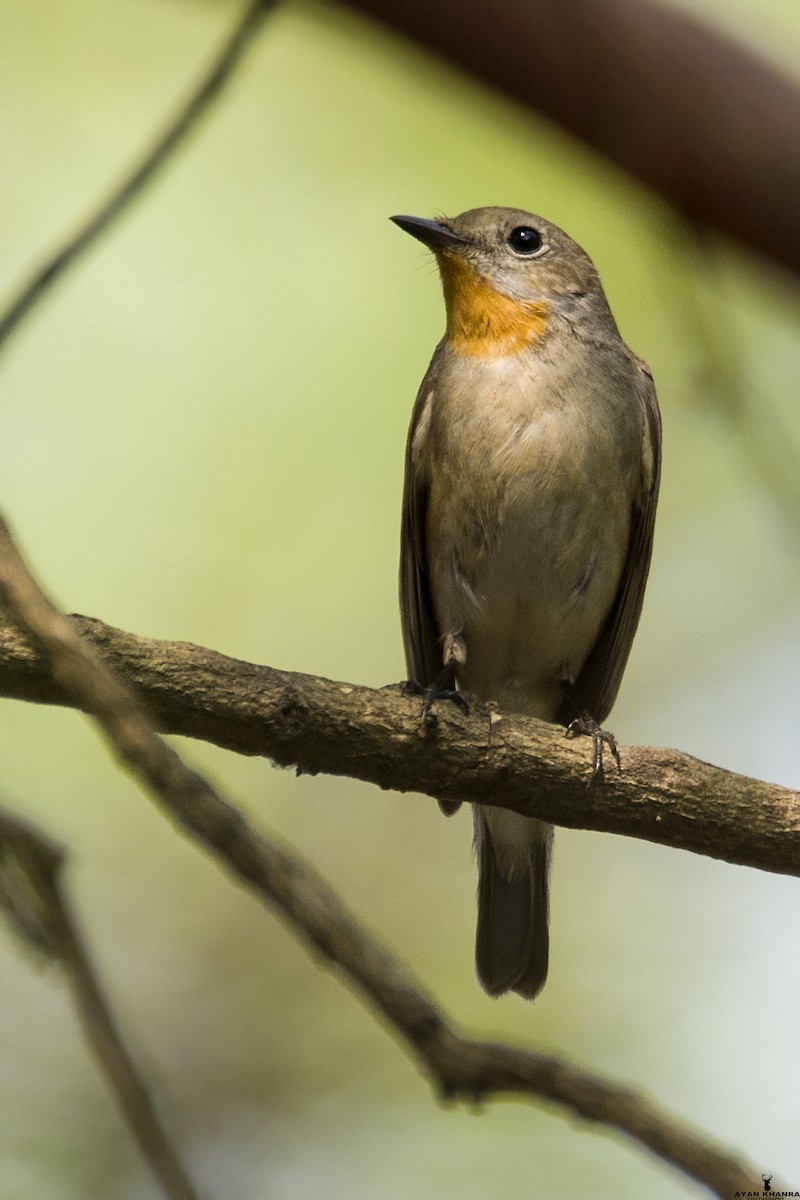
(318, 725)
(459, 1066)
(212, 83)
(35, 901)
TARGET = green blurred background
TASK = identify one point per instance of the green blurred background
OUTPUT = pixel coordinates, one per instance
(202, 438)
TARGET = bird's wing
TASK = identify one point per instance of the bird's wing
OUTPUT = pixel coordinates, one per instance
(420, 635)
(596, 687)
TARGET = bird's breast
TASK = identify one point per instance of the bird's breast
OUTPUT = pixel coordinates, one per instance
(528, 522)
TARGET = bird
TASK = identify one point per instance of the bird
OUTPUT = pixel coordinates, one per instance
(531, 479)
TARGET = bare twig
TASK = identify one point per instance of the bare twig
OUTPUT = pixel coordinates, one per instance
(217, 76)
(459, 1066)
(34, 899)
(318, 725)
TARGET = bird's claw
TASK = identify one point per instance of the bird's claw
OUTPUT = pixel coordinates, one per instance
(584, 724)
(430, 695)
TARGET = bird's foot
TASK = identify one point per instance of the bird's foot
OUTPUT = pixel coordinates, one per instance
(586, 725)
(438, 690)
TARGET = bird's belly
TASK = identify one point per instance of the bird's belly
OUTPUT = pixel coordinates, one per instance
(529, 592)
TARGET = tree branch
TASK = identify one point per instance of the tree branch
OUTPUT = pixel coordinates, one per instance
(683, 108)
(34, 900)
(318, 725)
(459, 1066)
(219, 73)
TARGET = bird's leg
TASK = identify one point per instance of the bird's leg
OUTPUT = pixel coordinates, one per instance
(454, 655)
(441, 689)
(584, 723)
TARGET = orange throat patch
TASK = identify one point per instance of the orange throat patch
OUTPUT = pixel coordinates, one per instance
(482, 321)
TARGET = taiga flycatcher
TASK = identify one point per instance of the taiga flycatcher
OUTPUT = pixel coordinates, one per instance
(532, 472)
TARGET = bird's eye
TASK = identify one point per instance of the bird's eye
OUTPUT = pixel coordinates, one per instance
(525, 240)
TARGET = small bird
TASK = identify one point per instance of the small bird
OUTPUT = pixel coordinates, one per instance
(531, 480)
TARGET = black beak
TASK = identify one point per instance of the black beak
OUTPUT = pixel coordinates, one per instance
(432, 233)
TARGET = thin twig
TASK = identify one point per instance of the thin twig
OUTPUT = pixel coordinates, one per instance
(34, 899)
(459, 1066)
(219, 73)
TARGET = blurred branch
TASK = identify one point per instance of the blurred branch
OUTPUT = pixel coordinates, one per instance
(217, 76)
(681, 107)
(459, 1066)
(318, 725)
(35, 903)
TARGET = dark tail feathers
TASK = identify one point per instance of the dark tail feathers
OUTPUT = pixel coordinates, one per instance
(511, 945)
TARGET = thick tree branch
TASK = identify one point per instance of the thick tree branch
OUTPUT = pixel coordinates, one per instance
(460, 1067)
(318, 725)
(36, 903)
(214, 80)
(683, 108)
